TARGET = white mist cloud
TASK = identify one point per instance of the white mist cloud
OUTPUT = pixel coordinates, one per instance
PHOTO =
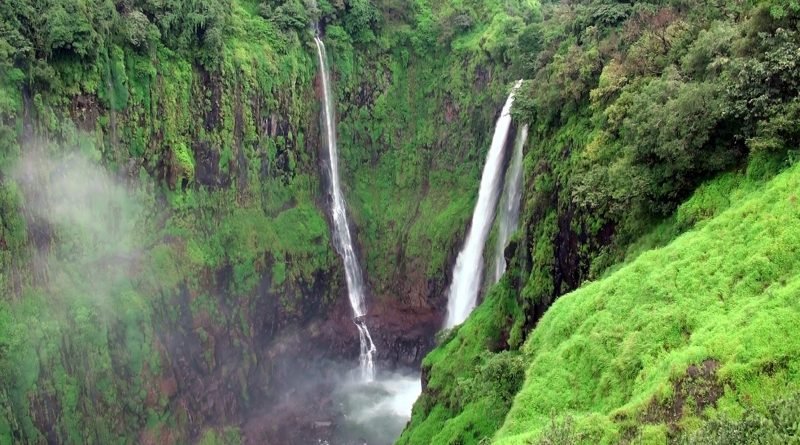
(71, 192)
(82, 223)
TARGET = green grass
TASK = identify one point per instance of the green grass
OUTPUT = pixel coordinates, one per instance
(606, 353)
(470, 386)
(725, 291)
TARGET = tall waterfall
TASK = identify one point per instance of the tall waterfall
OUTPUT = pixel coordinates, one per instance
(469, 265)
(509, 203)
(341, 228)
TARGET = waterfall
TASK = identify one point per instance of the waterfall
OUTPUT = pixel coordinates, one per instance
(469, 265)
(509, 204)
(341, 229)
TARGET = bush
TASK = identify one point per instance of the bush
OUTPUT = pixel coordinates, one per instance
(660, 140)
(289, 15)
(361, 20)
(138, 29)
(560, 432)
(779, 425)
(499, 377)
(68, 28)
(779, 133)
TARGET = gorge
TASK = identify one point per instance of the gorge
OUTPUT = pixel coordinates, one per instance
(222, 225)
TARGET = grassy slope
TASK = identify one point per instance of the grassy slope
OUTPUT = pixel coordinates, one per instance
(610, 352)
(469, 389)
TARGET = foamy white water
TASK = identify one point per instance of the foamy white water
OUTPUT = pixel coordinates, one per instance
(469, 265)
(341, 228)
(508, 217)
(398, 396)
(376, 412)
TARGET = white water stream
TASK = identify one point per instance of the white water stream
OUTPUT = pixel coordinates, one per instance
(341, 228)
(508, 219)
(469, 265)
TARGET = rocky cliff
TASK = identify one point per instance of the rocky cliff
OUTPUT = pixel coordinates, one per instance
(178, 146)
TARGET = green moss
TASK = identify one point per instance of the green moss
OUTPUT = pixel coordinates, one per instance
(184, 160)
(229, 436)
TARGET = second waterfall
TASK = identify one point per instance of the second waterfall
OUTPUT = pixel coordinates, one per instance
(468, 270)
(341, 229)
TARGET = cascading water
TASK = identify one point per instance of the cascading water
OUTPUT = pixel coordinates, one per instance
(509, 204)
(341, 228)
(468, 270)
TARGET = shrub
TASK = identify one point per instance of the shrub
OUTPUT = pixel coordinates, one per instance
(560, 432)
(779, 425)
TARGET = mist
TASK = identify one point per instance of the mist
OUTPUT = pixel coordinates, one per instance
(376, 412)
(92, 235)
(326, 401)
(84, 225)
(79, 198)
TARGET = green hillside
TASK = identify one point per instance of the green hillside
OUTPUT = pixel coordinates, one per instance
(699, 329)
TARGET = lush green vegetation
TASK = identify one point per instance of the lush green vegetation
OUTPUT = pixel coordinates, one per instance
(199, 121)
(618, 355)
(204, 233)
(168, 152)
(632, 107)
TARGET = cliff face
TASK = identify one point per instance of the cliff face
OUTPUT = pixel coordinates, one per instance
(167, 269)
